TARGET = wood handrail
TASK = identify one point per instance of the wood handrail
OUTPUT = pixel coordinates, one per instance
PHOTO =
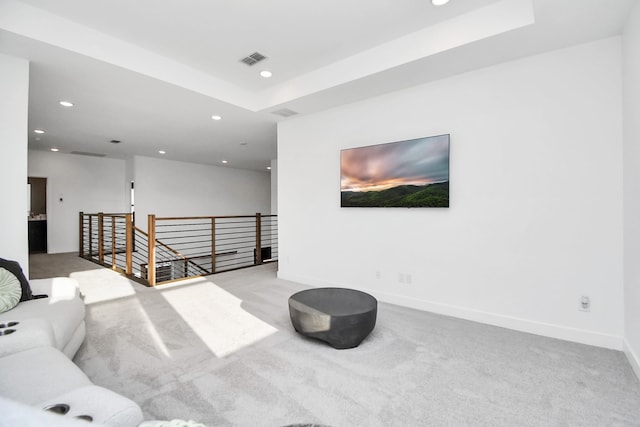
(176, 218)
(116, 215)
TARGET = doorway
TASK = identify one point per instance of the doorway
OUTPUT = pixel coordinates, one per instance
(37, 215)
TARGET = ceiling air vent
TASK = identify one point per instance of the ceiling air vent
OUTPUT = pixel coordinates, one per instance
(115, 141)
(84, 153)
(285, 112)
(253, 59)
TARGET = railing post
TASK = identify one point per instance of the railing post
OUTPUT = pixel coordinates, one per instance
(133, 226)
(151, 265)
(100, 237)
(113, 242)
(90, 236)
(213, 245)
(129, 246)
(258, 259)
(81, 242)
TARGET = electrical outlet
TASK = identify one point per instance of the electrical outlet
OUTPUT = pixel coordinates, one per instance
(585, 303)
(404, 278)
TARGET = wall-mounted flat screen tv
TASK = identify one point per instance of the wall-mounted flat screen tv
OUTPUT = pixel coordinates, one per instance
(410, 174)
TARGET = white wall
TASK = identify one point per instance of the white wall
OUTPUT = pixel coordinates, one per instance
(170, 188)
(14, 106)
(163, 187)
(86, 184)
(274, 187)
(631, 85)
(536, 197)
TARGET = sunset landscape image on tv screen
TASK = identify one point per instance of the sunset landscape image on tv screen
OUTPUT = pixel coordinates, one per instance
(410, 174)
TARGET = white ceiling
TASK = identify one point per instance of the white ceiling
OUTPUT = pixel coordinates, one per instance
(151, 73)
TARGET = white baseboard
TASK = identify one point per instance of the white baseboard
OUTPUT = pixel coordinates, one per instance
(633, 358)
(307, 281)
(518, 324)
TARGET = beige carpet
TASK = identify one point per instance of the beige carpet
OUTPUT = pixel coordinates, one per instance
(222, 351)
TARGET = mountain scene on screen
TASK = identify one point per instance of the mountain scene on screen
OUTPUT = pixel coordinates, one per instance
(411, 174)
(403, 196)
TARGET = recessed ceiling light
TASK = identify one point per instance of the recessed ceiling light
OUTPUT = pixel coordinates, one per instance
(225, 162)
(162, 152)
(266, 74)
(55, 149)
(38, 131)
(216, 117)
(439, 2)
(66, 103)
(268, 168)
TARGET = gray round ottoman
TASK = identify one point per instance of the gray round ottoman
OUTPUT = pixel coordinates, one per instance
(341, 317)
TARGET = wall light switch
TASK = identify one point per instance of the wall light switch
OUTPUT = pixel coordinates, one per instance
(585, 303)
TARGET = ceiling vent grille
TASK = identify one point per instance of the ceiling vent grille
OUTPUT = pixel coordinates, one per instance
(84, 153)
(115, 141)
(253, 59)
(285, 112)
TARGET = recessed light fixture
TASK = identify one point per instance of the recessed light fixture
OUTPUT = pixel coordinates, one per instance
(439, 2)
(225, 162)
(55, 149)
(162, 152)
(216, 117)
(268, 168)
(266, 74)
(39, 131)
(66, 103)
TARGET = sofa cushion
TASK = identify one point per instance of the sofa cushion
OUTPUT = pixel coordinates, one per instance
(18, 414)
(10, 290)
(14, 267)
(39, 374)
(28, 333)
(105, 407)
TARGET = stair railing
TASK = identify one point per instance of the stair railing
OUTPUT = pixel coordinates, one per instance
(176, 248)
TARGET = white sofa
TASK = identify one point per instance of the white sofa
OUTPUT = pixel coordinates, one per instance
(43, 376)
(35, 365)
(56, 321)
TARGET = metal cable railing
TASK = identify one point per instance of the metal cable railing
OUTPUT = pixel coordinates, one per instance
(178, 247)
(103, 239)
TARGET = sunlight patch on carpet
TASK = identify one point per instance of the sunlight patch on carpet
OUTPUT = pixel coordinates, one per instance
(102, 284)
(158, 342)
(217, 317)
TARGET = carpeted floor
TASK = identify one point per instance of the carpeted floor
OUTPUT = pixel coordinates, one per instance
(222, 351)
